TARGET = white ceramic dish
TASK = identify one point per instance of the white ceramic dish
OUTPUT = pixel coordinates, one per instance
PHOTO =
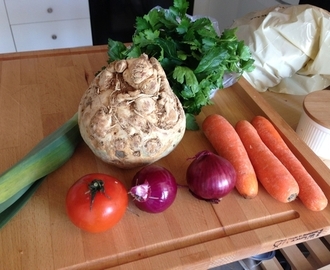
(314, 125)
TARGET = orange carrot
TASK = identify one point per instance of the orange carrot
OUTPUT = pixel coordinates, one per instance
(310, 193)
(272, 174)
(226, 142)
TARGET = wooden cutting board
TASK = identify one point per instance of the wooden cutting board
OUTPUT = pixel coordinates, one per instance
(39, 91)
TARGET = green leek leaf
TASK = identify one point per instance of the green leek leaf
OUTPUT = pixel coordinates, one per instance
(13, 209)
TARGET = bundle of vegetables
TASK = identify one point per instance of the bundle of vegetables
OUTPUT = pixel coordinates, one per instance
(192, 54)
(185, 59)
(258, 153)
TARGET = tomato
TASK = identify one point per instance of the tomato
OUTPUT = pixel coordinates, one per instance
(96, 202)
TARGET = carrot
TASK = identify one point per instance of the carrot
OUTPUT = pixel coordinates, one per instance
(226, 142)
(272, 174)
(311, 195)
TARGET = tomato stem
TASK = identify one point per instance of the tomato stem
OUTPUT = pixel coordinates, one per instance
(95, 186)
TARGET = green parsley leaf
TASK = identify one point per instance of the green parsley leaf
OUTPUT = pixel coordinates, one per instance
(185, 75)
(116, 50)
(213, 59)
(141, 24)
(191, 122)
(183, 26)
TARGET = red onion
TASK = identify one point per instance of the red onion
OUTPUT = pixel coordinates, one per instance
(210, 177)
(154, 189)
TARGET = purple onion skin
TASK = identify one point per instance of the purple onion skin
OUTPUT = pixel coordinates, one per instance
(210, 177)
(161, 192)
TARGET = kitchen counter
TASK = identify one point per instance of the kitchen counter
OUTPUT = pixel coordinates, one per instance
(39, 91)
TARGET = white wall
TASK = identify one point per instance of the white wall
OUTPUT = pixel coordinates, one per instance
(226, 11)
(6, 42)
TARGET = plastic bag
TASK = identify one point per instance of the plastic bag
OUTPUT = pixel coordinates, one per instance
(291, 48)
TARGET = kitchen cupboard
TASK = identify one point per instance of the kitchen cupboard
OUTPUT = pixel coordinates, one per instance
(47, 24)
(52, 35)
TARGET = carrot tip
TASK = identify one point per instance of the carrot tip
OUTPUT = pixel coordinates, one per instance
(248, 197)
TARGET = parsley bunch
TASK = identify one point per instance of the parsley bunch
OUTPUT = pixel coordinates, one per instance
(193, 56)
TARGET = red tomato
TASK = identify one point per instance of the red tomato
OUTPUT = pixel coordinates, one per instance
(96, 202)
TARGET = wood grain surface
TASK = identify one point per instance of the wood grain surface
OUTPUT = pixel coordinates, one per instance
(39, 91)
